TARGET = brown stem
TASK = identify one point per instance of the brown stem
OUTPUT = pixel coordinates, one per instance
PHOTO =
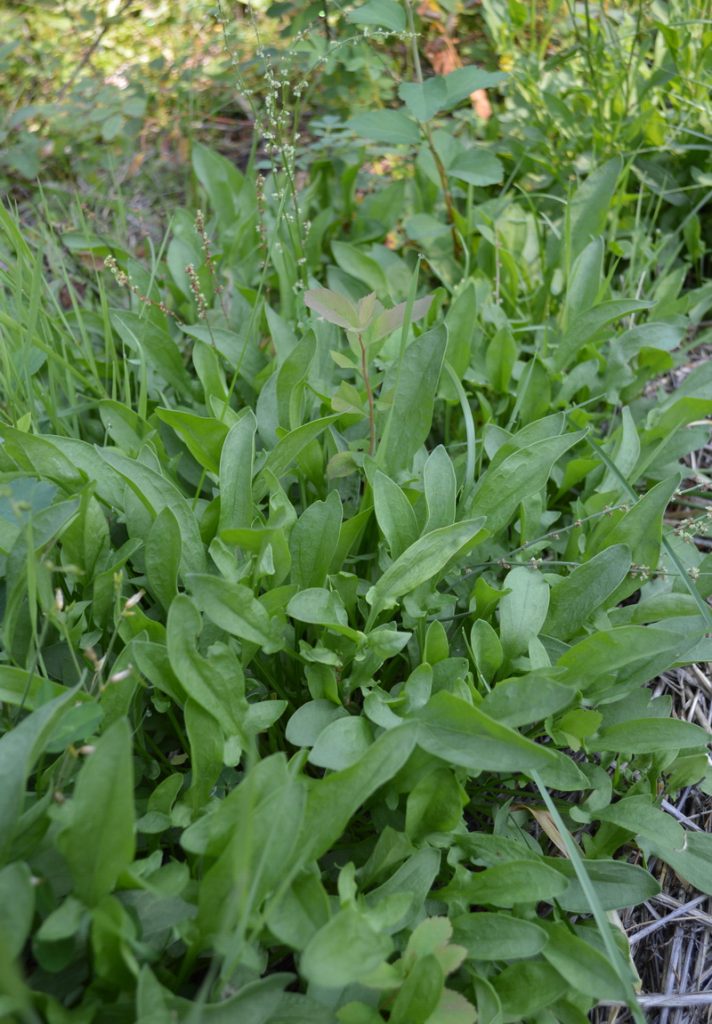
(369, 394)
(447, 195)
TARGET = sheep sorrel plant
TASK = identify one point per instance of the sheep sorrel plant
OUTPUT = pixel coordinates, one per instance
(342, 539)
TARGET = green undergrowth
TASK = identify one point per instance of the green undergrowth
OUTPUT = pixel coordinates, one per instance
(340, 536)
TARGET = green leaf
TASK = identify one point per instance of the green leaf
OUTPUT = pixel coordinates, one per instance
(333, 307)
(525, 988)
(334, 800)
(424, 99)
(440, 487)
(389, 126)
(516, 881)
(638, 814)
(313, 541)
(477, 167)
(412, 384)
(491, 936)
(693, 863)
(157, 493)
(463, 81)
(203, 436)
(365, 269)
(19, 749)
(394, 514)
(163, 556)
(616, 884)
(423, 561)
(200, 678)
(503, 486)
(526, 699)
(342, 743)
(574, 600)
(522, 610)
(344, 951)
(155, 345)
(236, 467)
(420, 993)
(583, 966)
(382, 13)
(650, 735)
(97, 841)
(590, 203)
(310, 720)
(586, 327)
(455, 731)
(282, 457)
(235, 609)
(17, 906)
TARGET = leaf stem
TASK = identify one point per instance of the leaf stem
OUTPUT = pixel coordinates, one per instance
(369, 394)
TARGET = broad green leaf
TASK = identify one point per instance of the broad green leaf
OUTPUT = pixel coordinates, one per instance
(342, 743)
(638, 814)
(423, 561)
(200, 678)
(693, 862)
(411, 383)
(19, 749)
(17, 906)
(463, 81)
(203, 436)
(583, 966)
(163, 556)
(424, 99)
(522, 610)
(313, 541)
(20, 687)
(503, 487)
(255, 859)
(394, 514)
(389, 126)
(650, 735)
(206, 751)
(155, 345)
(282, 457)
(420, 993)
(586, 327)
(588, 587)
(526, 699)
(589, 205)
(156, 493)
(97, 839)
(364, 268)
(640, 650)
(236, 464)
(334, 800)
(516, 881)
(440, 486)
(335, 308)
(455, 731)
(310, 720)
(382, 13)
(434, 804)
(477, 167)
(321, 607)
(487, 649)
(527, 987)
(491, 936)
(235, 609)
(301, 912)
(616, 883)
(344, 951)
